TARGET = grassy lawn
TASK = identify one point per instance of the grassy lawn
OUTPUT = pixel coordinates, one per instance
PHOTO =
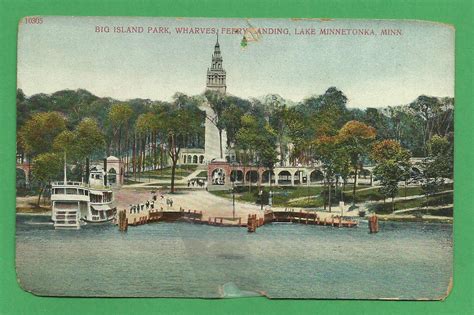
(165, 174)
(24, 192)
(433, 201)
(442, 212)
(182, 171)
(374, 194)
(128, 181)
(202, 174)
(283, 194)
(33, 208)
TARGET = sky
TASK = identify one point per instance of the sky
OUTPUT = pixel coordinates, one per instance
(372, 70)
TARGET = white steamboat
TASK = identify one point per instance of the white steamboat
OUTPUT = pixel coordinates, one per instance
(76, 202)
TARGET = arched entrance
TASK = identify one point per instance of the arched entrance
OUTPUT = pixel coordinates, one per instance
(266, 177)
(284, 178)
(112, 176)
(316, 176)
(251, 176)
(236, 176)
(364, 173)
(300, 177)
(218, 177)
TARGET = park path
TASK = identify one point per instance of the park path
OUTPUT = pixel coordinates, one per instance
(156, 183)
(345, 191)
(423, 208)
(364, 205)
(199, 200)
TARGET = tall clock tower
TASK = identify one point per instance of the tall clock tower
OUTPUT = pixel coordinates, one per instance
(215, 81)
(216, 74)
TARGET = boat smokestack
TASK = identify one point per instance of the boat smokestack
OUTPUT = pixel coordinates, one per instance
(65, 169)
(105, 172)
(87, 171)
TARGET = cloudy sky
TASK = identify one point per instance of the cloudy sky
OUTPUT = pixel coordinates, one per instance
(372, 70)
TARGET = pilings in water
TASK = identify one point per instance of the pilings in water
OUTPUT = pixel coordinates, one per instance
(192, 216)
(373, 224)
(122, 221)
(224, 221)
(312, 218)
(253, 222)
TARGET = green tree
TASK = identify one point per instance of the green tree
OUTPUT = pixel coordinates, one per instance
(119, 117)
(145, 127)
(182, 120)
(46, 168)
(246, 141)
(356, 138)
(438, 165)
(326, 148)
(392, 167)
(38, 133)
(90, 138)
(231, 121)
(66, 141)
(278, 122)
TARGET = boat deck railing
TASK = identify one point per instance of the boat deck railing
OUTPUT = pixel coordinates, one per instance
(67, 183)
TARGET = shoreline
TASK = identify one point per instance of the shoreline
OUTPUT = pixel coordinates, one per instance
(382, 217)
(412, 218)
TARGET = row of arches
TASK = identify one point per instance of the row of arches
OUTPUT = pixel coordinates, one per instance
(192, 159)
(281, 177)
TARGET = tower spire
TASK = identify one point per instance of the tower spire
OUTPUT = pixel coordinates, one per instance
(216, 75)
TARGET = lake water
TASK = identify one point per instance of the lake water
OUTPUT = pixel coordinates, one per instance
(404, 260)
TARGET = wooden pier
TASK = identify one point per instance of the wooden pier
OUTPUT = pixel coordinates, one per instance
(312, 218)
(254, 221)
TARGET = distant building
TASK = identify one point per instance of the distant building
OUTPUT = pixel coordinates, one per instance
(113, 168)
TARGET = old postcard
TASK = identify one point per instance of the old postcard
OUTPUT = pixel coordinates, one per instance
(215, 158)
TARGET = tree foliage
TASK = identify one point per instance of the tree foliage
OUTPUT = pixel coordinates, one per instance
(392, 166)
(356, 138)
(38, 133)
(438, 165)
(46, 168)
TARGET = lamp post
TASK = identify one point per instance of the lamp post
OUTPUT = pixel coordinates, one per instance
(270, 194)
(233, 178)
(270, 199)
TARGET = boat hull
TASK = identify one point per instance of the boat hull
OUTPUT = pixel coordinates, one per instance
(98, 221)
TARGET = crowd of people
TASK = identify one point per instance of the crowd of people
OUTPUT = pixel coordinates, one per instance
(149, 205)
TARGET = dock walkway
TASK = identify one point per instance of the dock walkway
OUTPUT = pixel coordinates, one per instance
(127, 218)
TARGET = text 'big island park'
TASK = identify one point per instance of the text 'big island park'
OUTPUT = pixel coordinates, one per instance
(222, 160)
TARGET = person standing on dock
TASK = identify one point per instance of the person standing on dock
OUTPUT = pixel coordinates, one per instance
(171, 203)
